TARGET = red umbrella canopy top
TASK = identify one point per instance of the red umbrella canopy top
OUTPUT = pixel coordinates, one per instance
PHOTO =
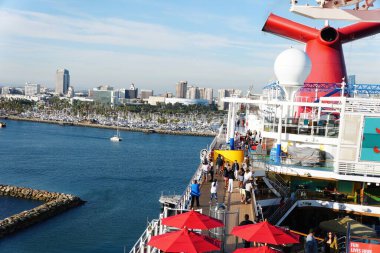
(192, 220)
(263, 249)
(263, 232)
(184, 241)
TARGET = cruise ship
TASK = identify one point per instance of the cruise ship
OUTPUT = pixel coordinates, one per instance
(315, 150)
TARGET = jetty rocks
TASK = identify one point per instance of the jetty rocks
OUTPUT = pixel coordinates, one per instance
(54, 203)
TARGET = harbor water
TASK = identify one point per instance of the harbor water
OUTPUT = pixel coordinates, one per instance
(121, 182)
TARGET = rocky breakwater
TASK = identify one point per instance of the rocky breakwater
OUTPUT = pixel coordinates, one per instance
(54, 203)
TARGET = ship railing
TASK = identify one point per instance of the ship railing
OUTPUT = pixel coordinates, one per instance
(359, 169)
(288, 166)
(183, 203)
(141, 246)
(278, 183)
(363, 105)
(154, 227)
(321, 128)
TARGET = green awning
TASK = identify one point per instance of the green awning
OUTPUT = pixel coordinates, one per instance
(340, 226)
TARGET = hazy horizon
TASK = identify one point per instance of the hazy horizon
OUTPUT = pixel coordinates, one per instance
(153, 44)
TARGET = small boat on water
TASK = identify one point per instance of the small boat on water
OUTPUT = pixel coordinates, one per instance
(116, 138)
(2, 124)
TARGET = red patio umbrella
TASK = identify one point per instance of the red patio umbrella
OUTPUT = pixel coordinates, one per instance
(263, 249)
(192, 220)
(263, 232)
(184, 241)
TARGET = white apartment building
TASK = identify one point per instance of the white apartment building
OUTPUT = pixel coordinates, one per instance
(32, 89)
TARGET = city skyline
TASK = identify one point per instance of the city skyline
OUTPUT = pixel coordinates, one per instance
(153, 44)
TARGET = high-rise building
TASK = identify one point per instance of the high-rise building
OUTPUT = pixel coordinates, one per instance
(145, 94)
(131, 93)
(209, 93)
(221, 94)
(32, 89)
(193, 93)
(226, 93)
(181, 89)
(202, 93)
(62, 81)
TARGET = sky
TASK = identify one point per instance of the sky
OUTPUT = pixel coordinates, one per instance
(154, 43)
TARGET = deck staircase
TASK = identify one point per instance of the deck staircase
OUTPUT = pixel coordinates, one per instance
(283, 211)
(278, 184)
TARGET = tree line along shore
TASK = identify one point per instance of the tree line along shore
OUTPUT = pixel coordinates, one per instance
(95, 125)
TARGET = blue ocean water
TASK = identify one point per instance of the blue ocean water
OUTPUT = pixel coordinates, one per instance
(121, 182)
(10, 206)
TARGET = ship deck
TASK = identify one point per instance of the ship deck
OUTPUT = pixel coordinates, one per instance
(235, 209)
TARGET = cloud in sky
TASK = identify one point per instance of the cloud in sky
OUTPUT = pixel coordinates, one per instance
(210, 50)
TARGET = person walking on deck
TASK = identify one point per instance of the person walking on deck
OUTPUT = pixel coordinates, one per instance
(219, 164)
(195, 193)
(246, 221)
(235, 168)
(214, 191)
(225, 175)
(231, 177)
(211, 170)
(205, 169)
(247, 175)
(311, 245)
(241, 177)
(248, 190)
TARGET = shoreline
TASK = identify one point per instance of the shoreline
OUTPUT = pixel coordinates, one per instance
(88, 124)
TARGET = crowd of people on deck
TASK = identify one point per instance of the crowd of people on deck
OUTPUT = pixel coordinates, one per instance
(243, 173)
(212, 169)
(247, 185)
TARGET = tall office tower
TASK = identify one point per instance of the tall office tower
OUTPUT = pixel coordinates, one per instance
(32, 89)
(62, 82)
(209, 93)
(181, 89)
(145, 94)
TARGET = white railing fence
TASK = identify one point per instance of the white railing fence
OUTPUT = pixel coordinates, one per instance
(359, 169)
